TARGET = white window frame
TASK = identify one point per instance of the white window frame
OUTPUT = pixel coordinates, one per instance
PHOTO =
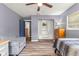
(68, 24)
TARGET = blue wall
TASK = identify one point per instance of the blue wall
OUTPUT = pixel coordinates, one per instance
(21, 28)
(9, 22)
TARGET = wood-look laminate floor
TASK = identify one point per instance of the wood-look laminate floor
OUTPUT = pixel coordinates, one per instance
(40, 48)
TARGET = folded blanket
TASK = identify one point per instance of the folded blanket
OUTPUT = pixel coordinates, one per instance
(73, 50)
(65, 45)
(69, 48)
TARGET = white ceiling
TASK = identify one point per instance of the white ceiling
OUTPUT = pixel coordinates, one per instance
(23, 10)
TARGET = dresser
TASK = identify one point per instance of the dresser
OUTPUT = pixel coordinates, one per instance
(59, 33)
(4, 49)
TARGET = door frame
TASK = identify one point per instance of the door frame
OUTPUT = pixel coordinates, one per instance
(30, 29)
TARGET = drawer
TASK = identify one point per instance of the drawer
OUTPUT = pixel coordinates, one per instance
(3, 52)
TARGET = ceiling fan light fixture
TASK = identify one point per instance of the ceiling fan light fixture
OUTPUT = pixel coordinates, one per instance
(39, 4)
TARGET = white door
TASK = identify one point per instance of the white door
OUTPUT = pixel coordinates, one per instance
(45, 29)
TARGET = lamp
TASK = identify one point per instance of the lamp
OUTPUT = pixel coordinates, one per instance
(39, 4)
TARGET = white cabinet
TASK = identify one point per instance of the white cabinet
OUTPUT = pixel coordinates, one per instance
(4, 49)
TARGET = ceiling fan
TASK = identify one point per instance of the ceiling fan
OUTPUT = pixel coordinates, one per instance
(40, 4)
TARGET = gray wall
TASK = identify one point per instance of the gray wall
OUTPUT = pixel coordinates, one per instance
(71, 33)
(34, 22)
(9, 22)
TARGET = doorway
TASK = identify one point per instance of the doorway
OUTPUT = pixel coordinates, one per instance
(45, 29)
(28, 31)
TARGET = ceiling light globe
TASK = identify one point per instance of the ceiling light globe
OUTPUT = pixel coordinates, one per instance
(39, 4)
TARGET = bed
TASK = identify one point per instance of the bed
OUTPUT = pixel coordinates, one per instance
(67, 45)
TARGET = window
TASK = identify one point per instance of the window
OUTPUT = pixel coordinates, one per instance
(73, 21)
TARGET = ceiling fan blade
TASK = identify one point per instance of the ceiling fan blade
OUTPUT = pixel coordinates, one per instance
(48, 5)
(38, 8)
(30, 3)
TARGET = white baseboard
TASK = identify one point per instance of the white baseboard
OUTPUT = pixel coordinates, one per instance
(35, 40)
